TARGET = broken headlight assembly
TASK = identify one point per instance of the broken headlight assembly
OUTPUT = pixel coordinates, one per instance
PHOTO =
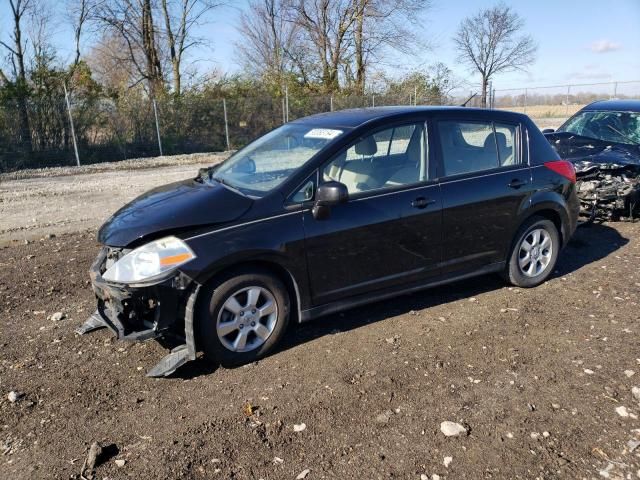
(151, 262)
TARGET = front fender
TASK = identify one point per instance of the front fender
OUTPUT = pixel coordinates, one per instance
(276, 241)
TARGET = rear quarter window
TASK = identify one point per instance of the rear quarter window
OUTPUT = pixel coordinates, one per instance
(539, 148)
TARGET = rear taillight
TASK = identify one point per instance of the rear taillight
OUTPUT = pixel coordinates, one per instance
(564, 168)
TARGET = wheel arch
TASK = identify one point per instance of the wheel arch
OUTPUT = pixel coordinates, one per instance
(549, 214)
(552, 206)
(550, 210)
(271, 266)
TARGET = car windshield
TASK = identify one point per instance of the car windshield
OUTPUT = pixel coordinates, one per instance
(265, 163)
(615, 127)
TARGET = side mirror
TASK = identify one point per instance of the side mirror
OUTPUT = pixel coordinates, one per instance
(548, 130)
(329, 195)
(246, 165)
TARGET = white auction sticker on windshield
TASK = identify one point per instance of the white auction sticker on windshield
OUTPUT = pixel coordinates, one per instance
(324, 133)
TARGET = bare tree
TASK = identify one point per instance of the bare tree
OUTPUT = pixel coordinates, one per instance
(180, 18)
(16, 48)
(133, 21)
(271, 44)
(111, 64)
(328, 27)
(336, 41)
(383, 25)
(489, 42)
(79, 12)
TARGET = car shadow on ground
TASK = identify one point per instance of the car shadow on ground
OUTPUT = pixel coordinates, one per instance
(589, 244)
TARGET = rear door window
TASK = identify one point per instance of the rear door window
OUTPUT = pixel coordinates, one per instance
(476, 146)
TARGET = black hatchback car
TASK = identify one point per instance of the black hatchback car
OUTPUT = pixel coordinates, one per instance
(326, 213)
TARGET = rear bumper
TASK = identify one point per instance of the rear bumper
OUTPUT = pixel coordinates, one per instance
(138, 313)
(573, 212)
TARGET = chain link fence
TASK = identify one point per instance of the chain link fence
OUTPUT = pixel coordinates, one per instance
(39, 133)
(551, 106)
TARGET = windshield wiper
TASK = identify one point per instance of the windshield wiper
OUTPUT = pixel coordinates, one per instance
(629, 139)
(228, 185)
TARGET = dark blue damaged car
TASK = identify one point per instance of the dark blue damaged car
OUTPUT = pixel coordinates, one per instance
(603, 142)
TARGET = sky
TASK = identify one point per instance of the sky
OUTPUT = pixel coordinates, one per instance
(579, 41)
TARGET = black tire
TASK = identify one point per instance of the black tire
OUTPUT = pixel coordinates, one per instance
(514, 273)
(212, 301)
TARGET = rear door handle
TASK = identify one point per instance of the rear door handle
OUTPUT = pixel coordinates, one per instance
(517, 183)
(421, 202)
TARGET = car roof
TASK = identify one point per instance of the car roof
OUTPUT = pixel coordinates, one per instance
(629, 105)
(356, 117)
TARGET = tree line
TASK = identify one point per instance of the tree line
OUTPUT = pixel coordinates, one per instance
(127, 53)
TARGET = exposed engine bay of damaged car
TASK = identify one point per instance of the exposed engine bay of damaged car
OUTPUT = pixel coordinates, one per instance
(608, 191)
(607, 171)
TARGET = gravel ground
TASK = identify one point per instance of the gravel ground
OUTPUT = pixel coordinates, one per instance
(34, 203)
(540, 381)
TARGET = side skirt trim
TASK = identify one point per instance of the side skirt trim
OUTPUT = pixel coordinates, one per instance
(364, 299)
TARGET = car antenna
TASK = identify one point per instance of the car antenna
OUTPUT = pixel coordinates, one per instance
(464, 104)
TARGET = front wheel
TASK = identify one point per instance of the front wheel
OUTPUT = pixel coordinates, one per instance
(242, 316)
(534, 253)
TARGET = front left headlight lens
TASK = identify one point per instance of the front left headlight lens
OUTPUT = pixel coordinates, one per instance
(152, 261)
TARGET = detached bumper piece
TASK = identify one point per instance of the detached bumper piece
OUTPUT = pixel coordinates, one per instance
(162, 311)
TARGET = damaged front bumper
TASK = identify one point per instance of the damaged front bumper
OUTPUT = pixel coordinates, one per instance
(608, 191)
(162, 311)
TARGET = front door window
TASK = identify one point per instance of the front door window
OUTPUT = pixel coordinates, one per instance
(385, 159)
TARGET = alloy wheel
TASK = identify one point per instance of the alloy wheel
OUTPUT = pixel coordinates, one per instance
(535, 252)
(247, 319)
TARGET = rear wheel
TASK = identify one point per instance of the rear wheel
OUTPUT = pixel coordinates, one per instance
(534, 253)
(242, 317)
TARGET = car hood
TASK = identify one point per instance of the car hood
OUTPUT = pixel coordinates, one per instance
(577, 148)
(177, 206)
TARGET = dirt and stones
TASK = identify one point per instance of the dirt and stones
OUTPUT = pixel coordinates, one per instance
(510, 367)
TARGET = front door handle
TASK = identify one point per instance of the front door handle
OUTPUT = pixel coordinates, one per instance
(422, 202)
(517, 183)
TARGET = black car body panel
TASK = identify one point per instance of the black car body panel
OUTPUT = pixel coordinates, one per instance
(376, 245)
(180, 205)
(608, 171)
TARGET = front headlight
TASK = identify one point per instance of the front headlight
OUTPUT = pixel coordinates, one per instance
(150, 262)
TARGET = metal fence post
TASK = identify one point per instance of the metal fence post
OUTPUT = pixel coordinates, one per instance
(155, 113)
(286, 96)
(373, 100)
(415, 95)
(226, 123)
(566, 103)
(491, 95)
(615, 89)
(331, 103)
(73, 132)
(284, 117)
(525, 100)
